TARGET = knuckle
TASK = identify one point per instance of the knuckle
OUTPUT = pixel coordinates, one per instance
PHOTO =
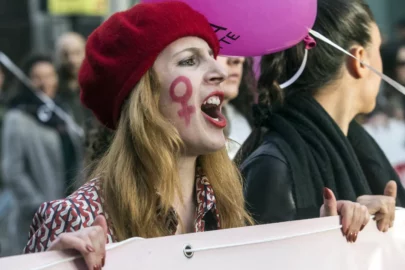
(95, 232)
(62, 237)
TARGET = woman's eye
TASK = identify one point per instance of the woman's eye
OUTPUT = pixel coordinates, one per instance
(188, 62)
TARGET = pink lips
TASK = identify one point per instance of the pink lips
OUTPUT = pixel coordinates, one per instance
(221, 123)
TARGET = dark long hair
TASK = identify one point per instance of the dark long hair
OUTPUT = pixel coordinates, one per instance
(346, 22)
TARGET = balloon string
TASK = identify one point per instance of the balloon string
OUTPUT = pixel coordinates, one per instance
(298, 74)
(387, 79)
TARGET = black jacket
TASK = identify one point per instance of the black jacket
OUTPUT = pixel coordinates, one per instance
(268, 185)
(303, 152)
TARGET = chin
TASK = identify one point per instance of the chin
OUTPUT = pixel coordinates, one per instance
(368, 108)
(206, 147)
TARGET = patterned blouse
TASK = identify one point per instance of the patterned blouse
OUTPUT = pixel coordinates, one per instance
(79, 210)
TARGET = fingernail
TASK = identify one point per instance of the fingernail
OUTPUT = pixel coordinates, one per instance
(355, 237)
(95, 267)
(326, 194)
(362, 227)
(103, 261)
(350, 237)
(89, 248)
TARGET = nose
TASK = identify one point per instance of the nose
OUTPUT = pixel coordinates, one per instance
(216, 74)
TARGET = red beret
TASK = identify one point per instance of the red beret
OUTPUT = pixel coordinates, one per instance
(121, 50)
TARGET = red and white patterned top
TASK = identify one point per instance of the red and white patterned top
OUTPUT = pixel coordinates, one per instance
(79, 210)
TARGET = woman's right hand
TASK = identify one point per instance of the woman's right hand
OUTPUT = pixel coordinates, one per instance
(354, 216)
(90, 242)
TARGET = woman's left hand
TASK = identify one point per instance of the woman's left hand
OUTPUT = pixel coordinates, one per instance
(354, 216)
(382, 206)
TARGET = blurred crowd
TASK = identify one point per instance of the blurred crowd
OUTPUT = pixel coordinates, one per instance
(386, 124)
(46, 160)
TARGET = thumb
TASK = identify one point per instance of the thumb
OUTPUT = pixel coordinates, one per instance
(100, 221)
(391, 189)
(329, 202)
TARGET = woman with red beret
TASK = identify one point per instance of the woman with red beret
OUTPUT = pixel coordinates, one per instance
(150, 74)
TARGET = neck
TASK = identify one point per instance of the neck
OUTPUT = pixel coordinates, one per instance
(186, 210)
(339, 103)
(187, 167)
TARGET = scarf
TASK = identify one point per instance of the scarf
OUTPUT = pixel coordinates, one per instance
(320, 155)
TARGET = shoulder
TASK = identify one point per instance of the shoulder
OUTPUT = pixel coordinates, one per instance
(268, 185)
(77, 211)
(267, 153)
(15, 115)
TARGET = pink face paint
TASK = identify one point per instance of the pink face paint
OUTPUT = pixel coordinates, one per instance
(186, 110)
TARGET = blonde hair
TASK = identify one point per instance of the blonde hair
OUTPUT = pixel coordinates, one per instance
(142, 159)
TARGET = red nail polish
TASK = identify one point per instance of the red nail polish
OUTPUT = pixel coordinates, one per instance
(95, 267)
(327, 194)
(355, 237)
(362, 227)
(103, 261)
(349, 238)
(89, 248)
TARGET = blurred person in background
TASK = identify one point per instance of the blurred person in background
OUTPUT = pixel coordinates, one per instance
(38, 156)
(8, 216)
(70, 54)
(387, 123)
(239, 97)
(400, 30)
(393, 57)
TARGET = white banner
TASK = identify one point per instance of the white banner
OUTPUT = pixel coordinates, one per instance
(308, 244)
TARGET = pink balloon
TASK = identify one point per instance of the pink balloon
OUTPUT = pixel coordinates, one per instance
(256, 27)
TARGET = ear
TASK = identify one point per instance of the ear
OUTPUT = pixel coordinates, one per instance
(355, 68)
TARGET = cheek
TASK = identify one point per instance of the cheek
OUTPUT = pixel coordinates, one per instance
(176, 102)
(180, 92)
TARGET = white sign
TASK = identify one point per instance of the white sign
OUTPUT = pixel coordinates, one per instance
(309, 244)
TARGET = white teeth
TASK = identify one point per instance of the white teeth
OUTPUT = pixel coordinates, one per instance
(216, 119)
(213, 100)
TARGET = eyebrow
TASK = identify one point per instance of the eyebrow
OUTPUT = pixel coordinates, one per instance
(194, 50)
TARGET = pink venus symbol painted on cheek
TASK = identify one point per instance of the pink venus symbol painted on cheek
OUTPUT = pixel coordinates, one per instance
(186, 110)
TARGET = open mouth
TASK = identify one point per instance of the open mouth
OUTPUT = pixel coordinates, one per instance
(211, 109)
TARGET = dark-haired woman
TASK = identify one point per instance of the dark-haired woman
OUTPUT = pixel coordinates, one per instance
(306, 139)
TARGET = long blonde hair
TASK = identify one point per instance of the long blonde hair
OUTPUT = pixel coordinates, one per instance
(142, 159)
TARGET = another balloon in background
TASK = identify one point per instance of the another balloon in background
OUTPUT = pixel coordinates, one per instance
(258, 27)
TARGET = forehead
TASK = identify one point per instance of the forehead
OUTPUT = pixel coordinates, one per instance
(41, 67)
(184, 44)
(71, 43)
